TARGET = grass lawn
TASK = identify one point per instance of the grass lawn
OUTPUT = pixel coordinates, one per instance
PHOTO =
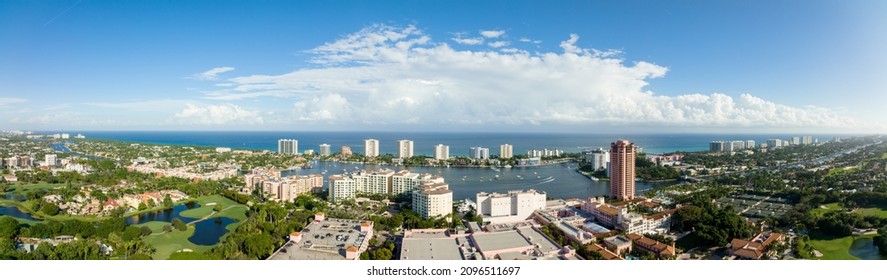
(877, 212)
(168, 243)
(840, 170)
(207, 203)
(834, 248)
(26, 188)
(830, 207)
(884, 156)
(155, 226)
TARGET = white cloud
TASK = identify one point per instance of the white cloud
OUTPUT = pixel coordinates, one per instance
(469, 41)
(211, 74)
(528, 40)
(498, 44)
(492, 33)
(323, 108)
(373, 44)
(141, 105)
(218, 115)
(384, 75)
(5, 101)
(569, 45)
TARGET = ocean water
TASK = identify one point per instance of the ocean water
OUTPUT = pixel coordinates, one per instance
(424, 142)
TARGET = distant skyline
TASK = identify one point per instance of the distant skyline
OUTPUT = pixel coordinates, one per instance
(504, 66)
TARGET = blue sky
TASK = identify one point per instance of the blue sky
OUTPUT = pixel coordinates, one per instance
(590, 66)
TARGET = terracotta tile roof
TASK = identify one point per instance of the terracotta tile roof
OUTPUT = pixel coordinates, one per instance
(737, 243)
(352, 249)
(749, 254)
(773, 237)
(652, 245)
(604, 252)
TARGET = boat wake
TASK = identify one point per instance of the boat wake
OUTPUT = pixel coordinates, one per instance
(544, 181)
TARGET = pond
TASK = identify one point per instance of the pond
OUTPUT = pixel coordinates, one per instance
(865, 249)
(206, 232)
(15, 197)
(13, 211)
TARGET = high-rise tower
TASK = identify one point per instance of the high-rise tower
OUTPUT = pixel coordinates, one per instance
(622, 157)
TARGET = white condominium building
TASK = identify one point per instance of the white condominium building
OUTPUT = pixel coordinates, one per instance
(342, 188)
(441, 152)
(598, 159)
(505, 151)
(50, 159)
(287, 146)
(404, 181)
(324, 149)
(371, 147)
(284, 188)
(513, 206)
(479, 153)
(433, 200)
(404, 148)
(373, 182)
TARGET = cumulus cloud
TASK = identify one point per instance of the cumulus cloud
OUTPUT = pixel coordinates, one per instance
(528, 40)
(211, 74)
(498, 44)
(218, 115)
(384, 75)
(492, 33)
(569, 45)
(469, 41)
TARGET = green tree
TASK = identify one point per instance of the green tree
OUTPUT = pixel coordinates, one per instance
(179, 225)
(167, 201)
(9, 228)
(131, 233)
(49, 209)
(145, 230)
(881, 240)
(217, 207)
(259, 246)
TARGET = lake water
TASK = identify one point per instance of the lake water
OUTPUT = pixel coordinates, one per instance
(13, 211)
(207, 232)
(865, 249)
(14, 197)
(557, 180)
